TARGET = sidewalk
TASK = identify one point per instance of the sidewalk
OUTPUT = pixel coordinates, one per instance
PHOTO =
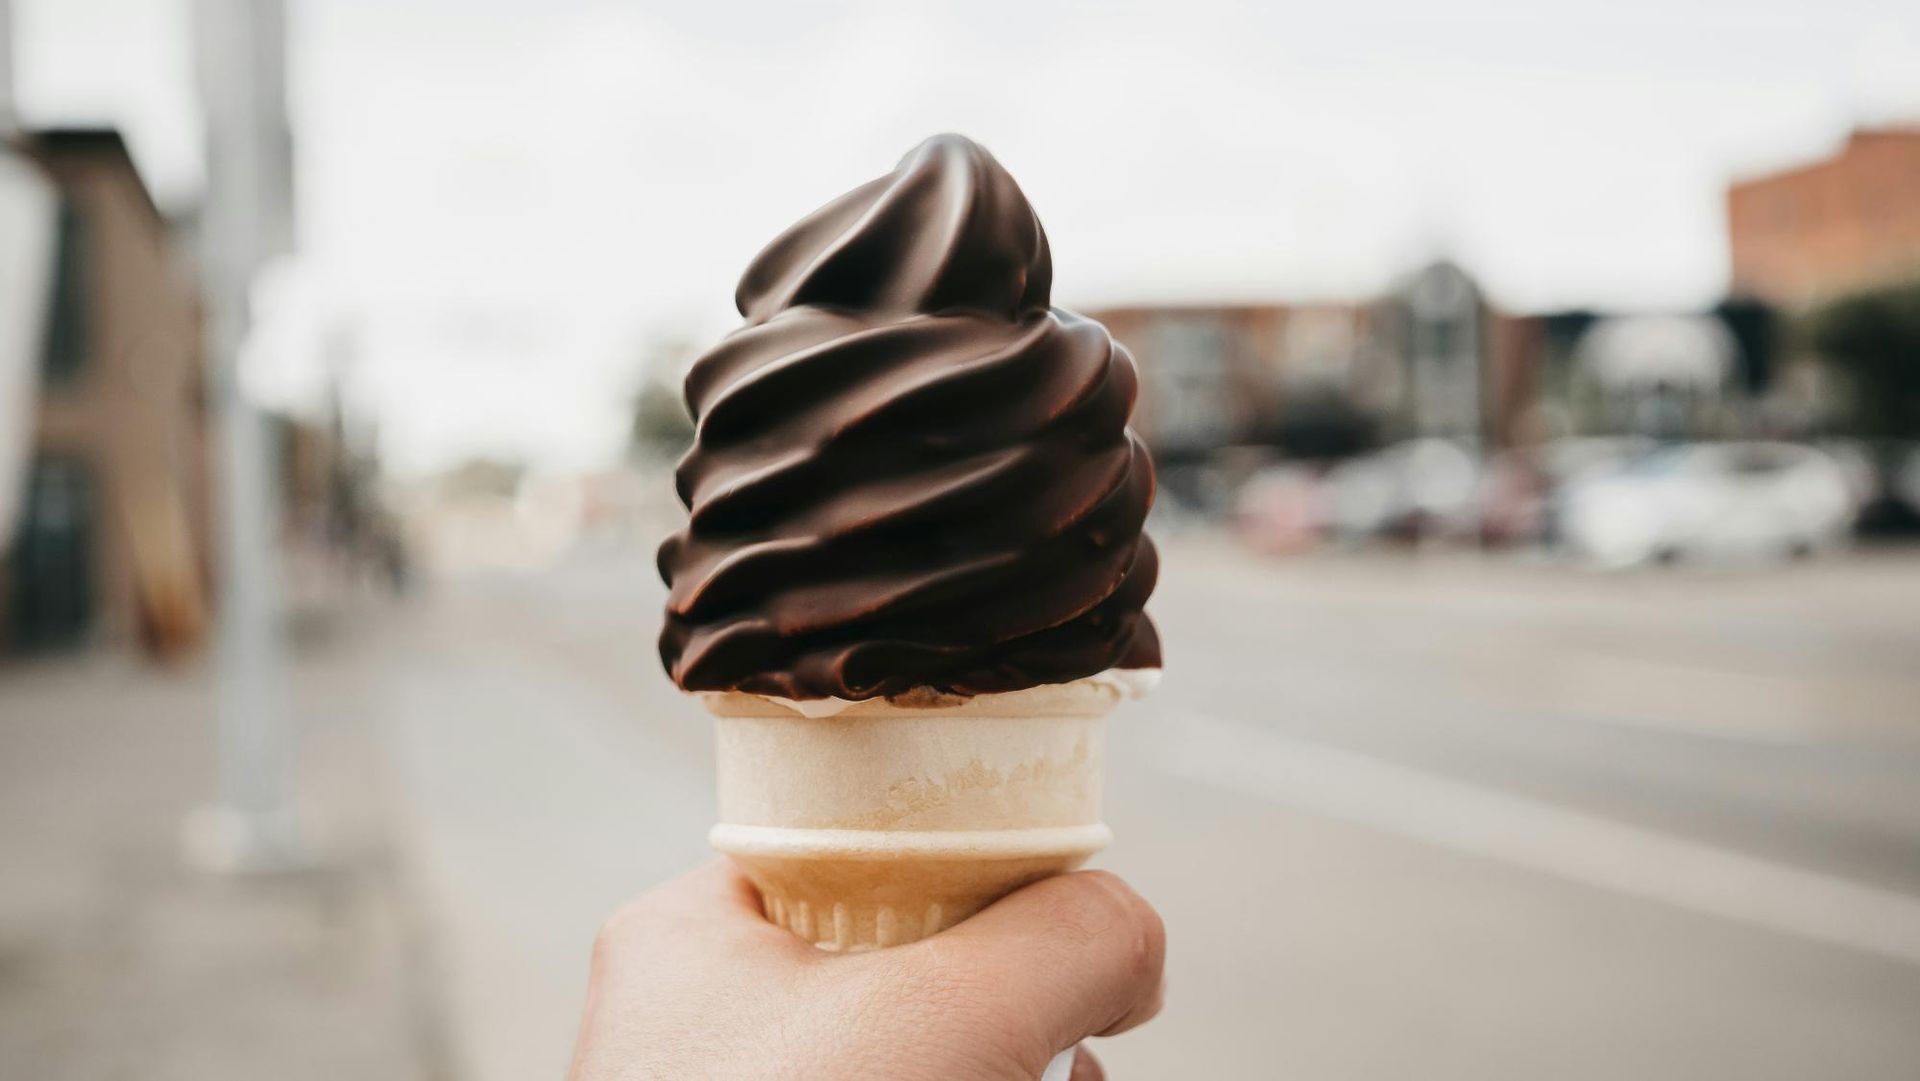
(119, 961)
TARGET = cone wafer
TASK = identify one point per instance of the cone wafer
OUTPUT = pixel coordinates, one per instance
(888, 820)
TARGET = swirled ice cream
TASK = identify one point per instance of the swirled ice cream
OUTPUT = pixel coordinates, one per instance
(910, 471)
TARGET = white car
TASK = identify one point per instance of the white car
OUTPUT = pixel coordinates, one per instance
(1711, 501)
(1420, 488)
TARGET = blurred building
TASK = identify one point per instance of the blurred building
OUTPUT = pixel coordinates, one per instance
(1809, 233)
(1466, 371)
(1216, 376)
(113, 535)
(1224, 385)
(339, 531)
(1326, 380)
(1663, 375)
(113, 525)
(28, 218)
(1436, 319)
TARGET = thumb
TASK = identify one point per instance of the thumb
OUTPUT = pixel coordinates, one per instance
(1074, 956)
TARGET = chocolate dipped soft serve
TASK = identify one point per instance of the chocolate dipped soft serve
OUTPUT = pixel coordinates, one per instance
(910, 471)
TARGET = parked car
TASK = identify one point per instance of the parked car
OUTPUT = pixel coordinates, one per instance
(1281, 510)
(1517, 485)
(1713, 501)
(1552, 468)
(1414, 490)
(1887, 478)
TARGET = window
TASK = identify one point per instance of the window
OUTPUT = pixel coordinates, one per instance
(50, 599)
(66, 341)
(1188, 380)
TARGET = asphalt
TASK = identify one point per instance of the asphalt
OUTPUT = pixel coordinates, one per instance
(1405, 816)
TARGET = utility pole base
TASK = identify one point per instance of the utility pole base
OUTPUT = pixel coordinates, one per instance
(229, 841)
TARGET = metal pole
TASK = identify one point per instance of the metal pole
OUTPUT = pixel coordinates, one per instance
(9, 123)
(241, 59)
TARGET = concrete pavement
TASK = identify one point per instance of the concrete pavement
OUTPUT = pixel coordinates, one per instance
(117, 960)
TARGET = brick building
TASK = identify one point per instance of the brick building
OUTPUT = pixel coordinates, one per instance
(1809, 233)
(112, 535)
(112, 517)
(1431, 358)
(1220, 375)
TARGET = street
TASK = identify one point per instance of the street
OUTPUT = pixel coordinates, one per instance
(1445, 816)
(1439, 816)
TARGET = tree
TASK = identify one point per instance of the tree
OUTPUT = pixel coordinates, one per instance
(1873, 338)
(1320, 424)
(662, 429)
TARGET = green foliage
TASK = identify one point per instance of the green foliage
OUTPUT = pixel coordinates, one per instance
(661, 426)
(1873, 338)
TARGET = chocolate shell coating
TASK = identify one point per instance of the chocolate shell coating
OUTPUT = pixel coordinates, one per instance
(909, 469)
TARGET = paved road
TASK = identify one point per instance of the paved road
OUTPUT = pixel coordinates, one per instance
(1444, 818)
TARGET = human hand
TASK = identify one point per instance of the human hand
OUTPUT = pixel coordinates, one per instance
(691, 982)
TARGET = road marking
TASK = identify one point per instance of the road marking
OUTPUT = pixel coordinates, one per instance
(1570, 844)
(1700, 728)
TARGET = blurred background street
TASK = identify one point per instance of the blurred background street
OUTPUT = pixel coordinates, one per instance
(1535, 394)
(1436, 817)
(1459, 816)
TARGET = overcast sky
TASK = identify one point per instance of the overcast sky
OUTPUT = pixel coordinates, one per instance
(510, 199)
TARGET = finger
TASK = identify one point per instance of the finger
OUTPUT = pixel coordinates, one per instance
(715, 886)
(1086, 1067)
(1071, 957)
(712, 902)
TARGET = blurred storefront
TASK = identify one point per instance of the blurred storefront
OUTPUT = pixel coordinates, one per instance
(1664, 375)
(1221, 382)
(112, 527)
(1225, 388)
(1468, 370)
(1427, 413)
(1219, 375)
(112, 530)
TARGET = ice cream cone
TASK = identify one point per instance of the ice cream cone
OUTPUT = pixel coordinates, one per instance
(875, 823)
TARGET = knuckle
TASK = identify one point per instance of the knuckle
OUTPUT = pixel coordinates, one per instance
(1148, 944)
(618, 931)
(1113, 908)
(1096, 904)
